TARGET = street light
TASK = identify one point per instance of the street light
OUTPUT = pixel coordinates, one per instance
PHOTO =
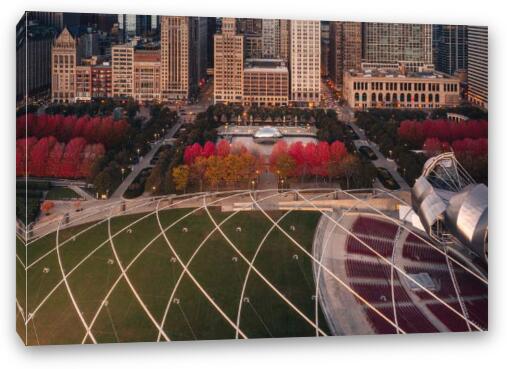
(122, 170)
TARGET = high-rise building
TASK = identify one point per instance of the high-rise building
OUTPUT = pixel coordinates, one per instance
(122, 70)
(83, 83)
(400, 88)
(270, 38)
(127, 25)
(284, 39)
(178, 58)
(53, 19)
(305, 62)
(143, 24)
(33, 56)
(88, 44)
(325, 48)
(345, 50)
(154, 22)
(249, 25)
(265, 82)
(101, 81)
(63, 68)
(394, 42)
(478, 65)
(147, 75)
(201, 46)
(211, 30)
(228, 64)
(451, 49)
(254, 46)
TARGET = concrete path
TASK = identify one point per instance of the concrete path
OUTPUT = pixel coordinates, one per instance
(144, 163)
(382, 161)
(84, 194)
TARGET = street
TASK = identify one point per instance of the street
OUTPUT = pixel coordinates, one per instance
(346, 114)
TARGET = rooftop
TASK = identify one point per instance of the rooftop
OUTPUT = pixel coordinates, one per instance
(153, 56)
(275, 65)
(398, 73)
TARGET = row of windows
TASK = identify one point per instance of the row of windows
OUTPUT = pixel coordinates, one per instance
(394, 97)
(405, 86)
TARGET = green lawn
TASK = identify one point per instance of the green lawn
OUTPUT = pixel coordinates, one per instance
(62, 193)
(154, 270)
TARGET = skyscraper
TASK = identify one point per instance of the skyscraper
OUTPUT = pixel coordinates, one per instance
(393, 42)
(228, 64)
(63, 68)
(478, 65)
(178, 58)
(345, 49)
(270, 38)
(201, 41)
(451, 48)
(305, 62)
(325, 48)
(284, 39)
(249, 25)
(33, 56)
(122, 70)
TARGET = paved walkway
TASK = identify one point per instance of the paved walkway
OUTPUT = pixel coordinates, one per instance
(144, 163)
(382, 161)
(84, 194)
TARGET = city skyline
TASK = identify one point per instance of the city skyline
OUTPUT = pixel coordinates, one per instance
(341, 46)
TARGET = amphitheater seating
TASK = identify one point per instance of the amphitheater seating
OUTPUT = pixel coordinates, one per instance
(376, 293)
(478, 311)
(410, 319)
(380, 236)
(363, 269)
(422, 252)
(470, 285)
(380, 325)
(451, 320)
(383, 247)
(368, 225)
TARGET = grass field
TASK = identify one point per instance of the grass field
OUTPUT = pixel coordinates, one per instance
(61, 193)
(248, 280)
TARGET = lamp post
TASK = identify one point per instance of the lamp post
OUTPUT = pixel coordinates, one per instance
(123, 171)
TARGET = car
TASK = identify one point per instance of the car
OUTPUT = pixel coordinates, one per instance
(387, 179)
(368, 153)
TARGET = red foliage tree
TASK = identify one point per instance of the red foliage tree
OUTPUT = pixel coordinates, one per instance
(55, 159)
(23, 149)
(38, 158)
(296, 151)
(223, 148)
(191, 153)
(209, 149)
(71, 159)
(280, 148)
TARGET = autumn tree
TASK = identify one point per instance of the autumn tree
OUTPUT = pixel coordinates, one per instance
(348, 168)
(223, 148)
(214, 171)
(197, 171)
(285, 165)
(180, 176)
(46, 206)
